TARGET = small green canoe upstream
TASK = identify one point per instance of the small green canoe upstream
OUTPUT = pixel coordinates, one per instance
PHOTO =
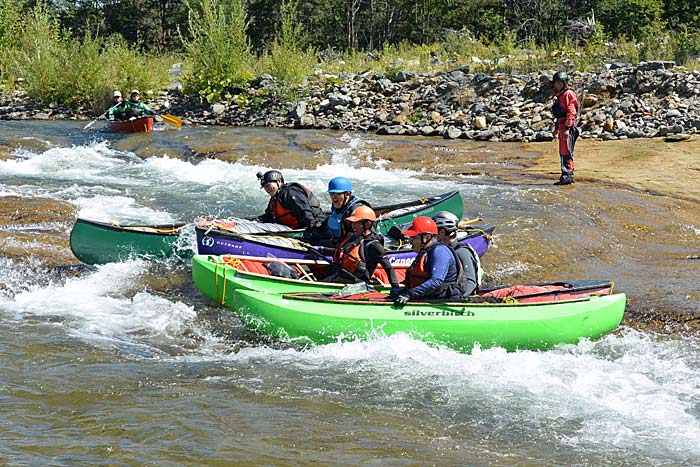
(533, 326)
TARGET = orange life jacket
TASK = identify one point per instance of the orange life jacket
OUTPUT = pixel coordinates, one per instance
(351, 252)
(283, 215)
(418, 271)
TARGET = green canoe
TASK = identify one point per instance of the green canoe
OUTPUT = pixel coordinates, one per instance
(217, 278)
(95, 242)
(536, 326)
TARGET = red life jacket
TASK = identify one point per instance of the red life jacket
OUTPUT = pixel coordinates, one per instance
(560, 108)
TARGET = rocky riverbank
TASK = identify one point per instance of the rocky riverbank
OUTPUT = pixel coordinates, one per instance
(621, 101)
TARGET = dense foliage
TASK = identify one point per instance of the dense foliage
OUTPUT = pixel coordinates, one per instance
(59, 46)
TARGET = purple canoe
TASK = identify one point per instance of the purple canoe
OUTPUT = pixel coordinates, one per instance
(217, 241)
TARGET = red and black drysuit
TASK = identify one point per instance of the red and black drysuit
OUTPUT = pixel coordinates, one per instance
(295, 206)
(565, 109)
(356, 259)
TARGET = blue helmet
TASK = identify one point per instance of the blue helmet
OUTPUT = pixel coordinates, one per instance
(339, 185)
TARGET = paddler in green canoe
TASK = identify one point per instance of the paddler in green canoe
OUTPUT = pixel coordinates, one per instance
(360, 252)
(436, 272)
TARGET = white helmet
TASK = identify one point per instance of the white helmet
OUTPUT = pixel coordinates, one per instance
(446, 220)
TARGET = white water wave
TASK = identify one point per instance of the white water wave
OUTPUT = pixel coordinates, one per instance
(109, 305)
(631, 395)
(120, 209)
(94, 163)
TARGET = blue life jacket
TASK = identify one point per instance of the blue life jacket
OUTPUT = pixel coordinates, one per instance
(335, 219)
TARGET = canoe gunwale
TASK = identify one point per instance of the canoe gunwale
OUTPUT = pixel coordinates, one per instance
(308, 296)
(175, 228)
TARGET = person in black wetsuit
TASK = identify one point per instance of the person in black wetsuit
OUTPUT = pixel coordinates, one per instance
(291, 204)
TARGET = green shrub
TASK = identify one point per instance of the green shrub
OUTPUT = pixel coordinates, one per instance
(289, 59)
(80, 72)
(10, 28)
(218, 48)
(686, 46)
(41, 53)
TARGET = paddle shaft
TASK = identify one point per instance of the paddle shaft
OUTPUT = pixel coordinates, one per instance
(93, 122)
(470, 221)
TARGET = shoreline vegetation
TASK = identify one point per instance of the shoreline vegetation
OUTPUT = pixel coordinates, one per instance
(254, 57)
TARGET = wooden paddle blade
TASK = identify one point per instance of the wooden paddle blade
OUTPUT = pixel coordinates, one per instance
(172, 120)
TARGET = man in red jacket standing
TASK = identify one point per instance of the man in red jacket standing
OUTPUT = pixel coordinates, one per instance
(565, 109)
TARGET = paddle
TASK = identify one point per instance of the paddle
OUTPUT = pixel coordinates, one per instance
(172, 120)
(93, 122)
(466, 222)
(395, 231)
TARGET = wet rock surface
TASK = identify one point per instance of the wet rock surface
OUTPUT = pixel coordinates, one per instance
(33, 228)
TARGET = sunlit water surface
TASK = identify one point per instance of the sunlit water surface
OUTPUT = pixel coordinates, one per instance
(127, 364)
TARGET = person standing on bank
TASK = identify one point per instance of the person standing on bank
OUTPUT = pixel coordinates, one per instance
(291, 204)
(565, 110)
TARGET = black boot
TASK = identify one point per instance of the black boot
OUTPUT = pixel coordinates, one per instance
(565, 180)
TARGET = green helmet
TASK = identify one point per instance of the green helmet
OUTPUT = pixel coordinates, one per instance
(561, 76)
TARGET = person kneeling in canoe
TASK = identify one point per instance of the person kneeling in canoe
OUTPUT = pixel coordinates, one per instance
(343, 204)
(291, 204)
(436, 272)
(119, 107)
(136, 108)
(448, 225)
(361, 251)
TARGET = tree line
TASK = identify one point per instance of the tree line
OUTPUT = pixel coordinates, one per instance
(159, 25)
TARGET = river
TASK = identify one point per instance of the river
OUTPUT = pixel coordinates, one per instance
(128, 365)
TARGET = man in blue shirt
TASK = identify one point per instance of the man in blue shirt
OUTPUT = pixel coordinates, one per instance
(436, 271)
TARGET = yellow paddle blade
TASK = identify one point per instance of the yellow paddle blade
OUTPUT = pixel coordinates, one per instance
(465, 223)
(172, 120)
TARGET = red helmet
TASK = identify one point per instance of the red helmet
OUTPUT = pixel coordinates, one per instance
(421, 225)
(362, 213)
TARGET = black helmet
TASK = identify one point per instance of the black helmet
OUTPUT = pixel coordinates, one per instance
(270, 176)
(561, 76)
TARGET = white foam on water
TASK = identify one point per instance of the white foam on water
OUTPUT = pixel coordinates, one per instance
(238, 180)
(95, 162)
(120, 209)
(692, 228)
(108, 305)
(635, 394)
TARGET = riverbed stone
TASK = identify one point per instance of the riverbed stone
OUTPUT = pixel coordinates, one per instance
(642, 100)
